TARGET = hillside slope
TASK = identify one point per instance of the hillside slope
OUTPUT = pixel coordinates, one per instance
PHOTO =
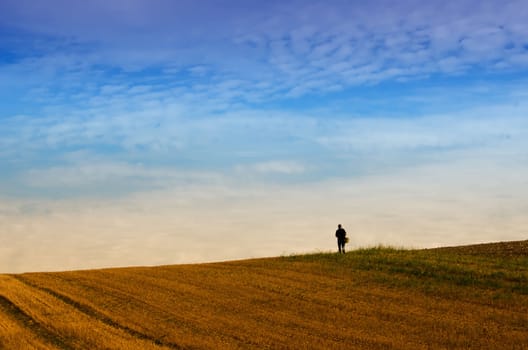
(460, 297)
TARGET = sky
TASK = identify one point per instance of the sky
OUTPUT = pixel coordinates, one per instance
(149, 132)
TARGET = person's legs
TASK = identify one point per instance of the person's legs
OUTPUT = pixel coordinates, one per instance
(341, 246)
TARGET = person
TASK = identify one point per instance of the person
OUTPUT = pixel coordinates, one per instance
(341, 238)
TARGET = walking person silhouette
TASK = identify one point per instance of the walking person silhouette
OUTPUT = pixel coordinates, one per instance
(341, 238)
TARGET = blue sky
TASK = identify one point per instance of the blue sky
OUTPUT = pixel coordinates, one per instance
(139, 121)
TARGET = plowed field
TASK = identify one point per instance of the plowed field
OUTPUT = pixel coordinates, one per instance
(378, 298)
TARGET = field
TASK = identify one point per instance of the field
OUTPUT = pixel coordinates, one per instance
(376, 298)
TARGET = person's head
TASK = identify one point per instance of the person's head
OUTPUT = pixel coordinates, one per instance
(339, 226)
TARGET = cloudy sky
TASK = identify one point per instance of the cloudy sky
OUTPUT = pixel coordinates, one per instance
(157, 132)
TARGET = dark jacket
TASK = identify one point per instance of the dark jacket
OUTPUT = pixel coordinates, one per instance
(340, 233)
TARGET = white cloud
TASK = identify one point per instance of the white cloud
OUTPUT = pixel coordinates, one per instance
(473, 129)
(273, 167)
(129, 153)
(85, 174)
(299, 50)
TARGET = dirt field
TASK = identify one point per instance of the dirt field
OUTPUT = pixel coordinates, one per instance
(379, 298)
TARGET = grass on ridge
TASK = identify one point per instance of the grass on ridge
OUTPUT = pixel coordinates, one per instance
(433, 270)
